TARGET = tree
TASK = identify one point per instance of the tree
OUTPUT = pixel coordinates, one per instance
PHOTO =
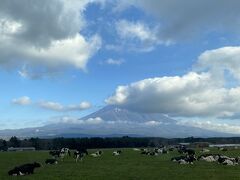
(14, 141)
(35, 142)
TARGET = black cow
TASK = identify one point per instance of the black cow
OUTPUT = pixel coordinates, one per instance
(24, 169)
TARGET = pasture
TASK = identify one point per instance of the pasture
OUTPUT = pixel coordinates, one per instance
(129, 165)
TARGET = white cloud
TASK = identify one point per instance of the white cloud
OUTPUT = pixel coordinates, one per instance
(51, 106)
(83, 105)
(195, 94)
(73, 120)
(183, 19)
(66, 120)
(218, 127)
(152, 123)
(127, 29)
(111, 61)
(55, 106)
(96, 120)
(137, 36)
(22, 101)
(217, 61)
(34, 34)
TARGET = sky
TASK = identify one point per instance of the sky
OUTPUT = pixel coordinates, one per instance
(70, 58)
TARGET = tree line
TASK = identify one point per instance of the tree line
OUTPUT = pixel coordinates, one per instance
(110, 142)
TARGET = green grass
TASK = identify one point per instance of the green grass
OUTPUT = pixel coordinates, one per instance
(130, 165)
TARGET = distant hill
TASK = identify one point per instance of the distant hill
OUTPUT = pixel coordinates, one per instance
(117, 122)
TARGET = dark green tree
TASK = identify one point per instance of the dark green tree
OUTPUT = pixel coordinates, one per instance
(14, 141)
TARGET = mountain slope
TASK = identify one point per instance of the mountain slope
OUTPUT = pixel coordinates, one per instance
(114, 113)
(115, 121)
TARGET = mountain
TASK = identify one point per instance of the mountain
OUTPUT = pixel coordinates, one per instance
(115, 121)
(114, 113)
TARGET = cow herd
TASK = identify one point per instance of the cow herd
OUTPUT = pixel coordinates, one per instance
(187, 156)
(56, 155)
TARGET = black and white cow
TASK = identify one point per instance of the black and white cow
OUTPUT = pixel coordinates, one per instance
(66, 151)
(184, 159)
(153, 152)
(60, 153)
(145, 151)
(24, 169)
(96, 154)
(225, 160)
(51, 161)
(15, 172)
(209, 157)
(117, 153)
(80, 153)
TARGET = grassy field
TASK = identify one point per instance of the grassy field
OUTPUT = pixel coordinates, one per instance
(130, 165)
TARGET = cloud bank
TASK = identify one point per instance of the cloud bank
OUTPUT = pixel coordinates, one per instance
(50, 105)
(183, 19)
(45, 35)
(55, 106)
(203, 92)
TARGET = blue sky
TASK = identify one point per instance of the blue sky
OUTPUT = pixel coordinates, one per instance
(71, 60)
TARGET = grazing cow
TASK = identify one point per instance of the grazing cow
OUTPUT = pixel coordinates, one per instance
(225, 160)
(66, 151)
(160, 150)
(184, 159)
(153, 152)
(96, 154)
(208, 159)
(60, 153)
(117, 153)
(80, 153)
(237, 159)
(51, 161)
(24, 169)
(228, 162)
